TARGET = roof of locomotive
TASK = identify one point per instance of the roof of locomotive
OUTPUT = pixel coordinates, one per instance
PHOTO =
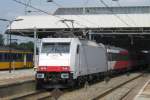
(82, 41)
(57, 39)
(91, 43)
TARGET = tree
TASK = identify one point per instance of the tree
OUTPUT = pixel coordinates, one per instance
(27, 46)
(30, 45)
(14, 45)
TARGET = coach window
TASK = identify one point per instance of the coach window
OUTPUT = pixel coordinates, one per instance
(113, 57)
(1, 57)
(29, 57)
(14, 56)
(125, 57)
(6, 56)
(22, 57)
(18, 57)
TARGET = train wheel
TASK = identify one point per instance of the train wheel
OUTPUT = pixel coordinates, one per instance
(79, 82)
(38, 86)
(72, 83)
(86, 85)
(107, 79)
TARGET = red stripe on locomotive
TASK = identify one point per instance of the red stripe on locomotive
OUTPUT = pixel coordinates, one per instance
(54, 68)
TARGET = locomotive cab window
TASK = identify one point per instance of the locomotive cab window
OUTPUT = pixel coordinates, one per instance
(55, 48)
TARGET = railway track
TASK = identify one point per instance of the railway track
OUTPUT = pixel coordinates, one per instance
(118, 87)
(144, 93)
(99, 91)
(35, 95)
(122, 84)
(39, 95)
(11, 89)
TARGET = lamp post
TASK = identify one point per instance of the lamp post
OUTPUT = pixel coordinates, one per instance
(35, 44)
(49, 0)
(115, 0)
(10, 22)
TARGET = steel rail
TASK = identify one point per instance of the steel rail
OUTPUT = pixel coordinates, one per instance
(105, 93)
(32, 95)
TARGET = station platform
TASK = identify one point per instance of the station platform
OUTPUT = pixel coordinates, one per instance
(16, 76)
(144, 93)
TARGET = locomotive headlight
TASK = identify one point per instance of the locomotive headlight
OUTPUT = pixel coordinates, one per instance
(66, 68)
(40, 75)
(42, 68)
(64, 75)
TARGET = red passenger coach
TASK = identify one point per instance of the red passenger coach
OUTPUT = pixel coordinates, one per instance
(118, 58)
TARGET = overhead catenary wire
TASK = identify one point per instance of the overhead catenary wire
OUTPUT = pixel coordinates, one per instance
(60, 6)
(114, 13)
(57, 4)
(84, 6)
(45, 12)
(28, 3)
(127, 14)
(86, 2)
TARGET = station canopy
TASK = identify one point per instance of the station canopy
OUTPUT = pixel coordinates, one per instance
(100, 23)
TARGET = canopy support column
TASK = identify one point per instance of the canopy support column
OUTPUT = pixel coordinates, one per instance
(35, 44)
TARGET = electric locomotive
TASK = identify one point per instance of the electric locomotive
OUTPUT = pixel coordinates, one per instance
(65, 62)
